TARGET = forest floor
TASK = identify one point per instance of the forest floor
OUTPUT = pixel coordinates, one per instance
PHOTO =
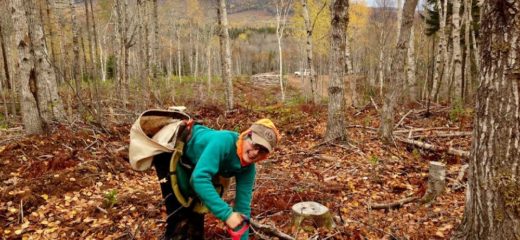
(76, 183)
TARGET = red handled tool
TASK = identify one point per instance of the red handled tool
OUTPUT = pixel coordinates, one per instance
(236, 235)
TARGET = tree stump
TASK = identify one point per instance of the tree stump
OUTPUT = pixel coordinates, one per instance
(436, 181)
(312, 211)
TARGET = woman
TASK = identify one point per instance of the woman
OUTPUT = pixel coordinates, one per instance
(211, 153)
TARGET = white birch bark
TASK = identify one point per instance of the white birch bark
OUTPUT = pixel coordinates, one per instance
(336, 128)
(411, 68)
(308, 49)
(179, 58)
(282, 11)
(467, 42)
(350, 72)
(441, 54)
(226, 55)
(492, 207)
(456, 95)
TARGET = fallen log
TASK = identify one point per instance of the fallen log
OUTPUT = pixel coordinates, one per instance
(444, 134)
(452, 151)
(425, 129)
(267, 229)
(392, 205)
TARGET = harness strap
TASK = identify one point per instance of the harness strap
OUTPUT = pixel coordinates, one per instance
(176, 156)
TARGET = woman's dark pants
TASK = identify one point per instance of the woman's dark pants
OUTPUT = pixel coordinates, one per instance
(181, 223)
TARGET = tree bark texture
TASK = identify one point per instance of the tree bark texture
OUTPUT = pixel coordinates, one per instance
(492, 209)
(411, 68)
(26, 74)
(308, 49)
(350, 72)
(456, 95)
(396, 80)
(75, 48)
(225, 55)
(7, 72)
(467, 42)
(50, 103)
(336, 110)
(439, 55)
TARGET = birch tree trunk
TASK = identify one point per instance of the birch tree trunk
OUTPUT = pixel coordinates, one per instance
(123, 50)
(336, 128)
(308, 49)
(179, 59)
(75, 48)
(467, 42)
(31, 119)
(350, 72)
(282, 10)
(411, 68)
(440, 56)
(457, 57)
(49, 102)
(399, 18)
(225, 53)
(397, 79)
(492, 209)
(90, 63)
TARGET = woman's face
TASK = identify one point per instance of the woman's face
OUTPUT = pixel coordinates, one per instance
(252, 152)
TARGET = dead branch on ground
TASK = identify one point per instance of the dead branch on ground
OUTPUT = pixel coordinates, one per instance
(268, 229)
(392, 205)
(452, 151)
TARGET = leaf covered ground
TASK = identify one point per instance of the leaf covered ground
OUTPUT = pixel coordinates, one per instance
(76, 183)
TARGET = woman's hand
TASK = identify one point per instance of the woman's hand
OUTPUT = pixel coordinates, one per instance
(234, 220)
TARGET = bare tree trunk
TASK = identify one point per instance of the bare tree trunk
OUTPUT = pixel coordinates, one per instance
(457, 58)
(397, 79)
(208, 56)
(155, 61)
(492, 209)
(89, 65)
(467, 43)
(441, 55)
(225, 54)
(411, 69)
(26, 76)
(95, 72)
(7, 73)
(49, 102)
(179, 58)
(282, 10)
(447, 58)
(75, 48)
(50, 23)
(336, 128)
(350, 72)
(381, 68)
(399, 18)
(142, 71)
(308, 48)
(196, 55)
(123, 50)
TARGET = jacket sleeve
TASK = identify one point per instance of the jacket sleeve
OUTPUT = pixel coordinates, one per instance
(201, 179)
(244, 193)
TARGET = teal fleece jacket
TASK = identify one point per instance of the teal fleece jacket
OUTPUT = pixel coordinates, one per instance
(214, 152)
